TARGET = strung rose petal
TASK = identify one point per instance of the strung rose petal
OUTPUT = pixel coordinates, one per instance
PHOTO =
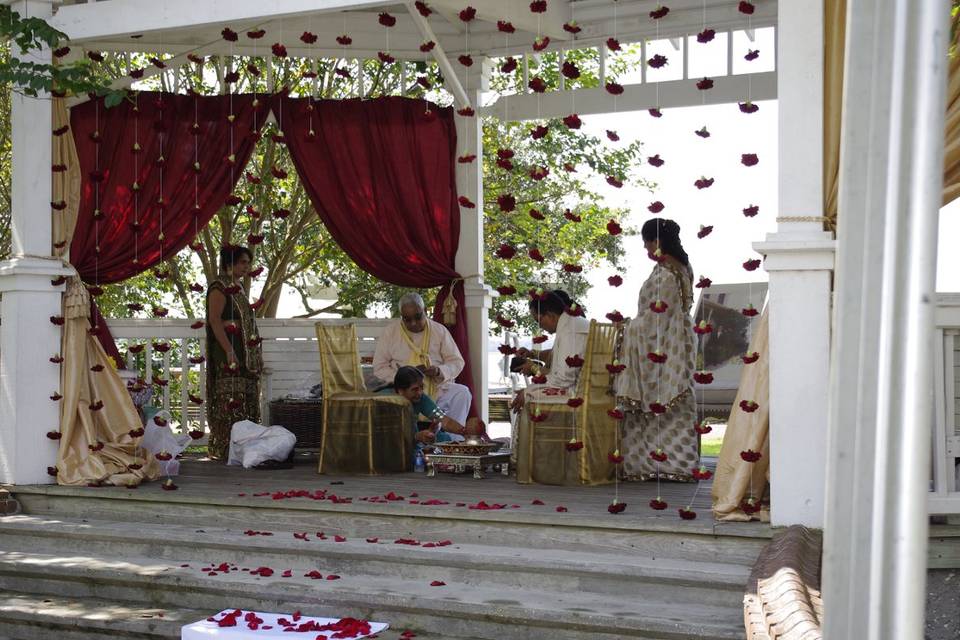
(752, 54)
(466, 159)
(746, 8)
(540, 131)
(705, 84)
(750, 311)
(344, 40)
(706, 35)
(505, 322)
(703, 283)
(615, 316)
(385, 57)
(659, 455)
(750, 358)
(56, 359)
(465, 60)
(539, 379)
(507, 290)
(687, 514)
(751, 265)
(537, 84)
(507, 350)
(571, 27)
(703, 183)
(536, 255)
(538, 6)
(659, 306)
(574, 402)
(539, 173)
(168, 485)
(614, 88)
(657, 408)
(569, 267)
(506, 202)
(655, 161)
(750, 505)
(655, 112)
(308, 38)
(466, 202)
(386, 19)
(540, 339)
(703, 328)
(570, 70)
(704, 231)
(422, 7)
(573, 121)
(616, 507)
(658, 504)
(229, 34)
(751, 211)
(659, 12)
(702, 473)
(467, 14)
(655, 207)
(749, 159)
(659, 357)
(616, 414)
(466, 112)
(571, 216)
(615, 281)
(536, 215)
(538, 416)
(574, 445)
(750, 455)
(613, 181)
(574, 361)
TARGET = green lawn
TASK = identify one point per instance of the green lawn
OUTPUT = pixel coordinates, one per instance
(710, 446)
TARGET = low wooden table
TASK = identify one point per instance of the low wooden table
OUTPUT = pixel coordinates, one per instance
(477, 463)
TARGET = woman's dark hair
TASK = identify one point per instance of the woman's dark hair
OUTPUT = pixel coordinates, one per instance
(556, 301)
(406, 377)
(230, 255)
(668, 233)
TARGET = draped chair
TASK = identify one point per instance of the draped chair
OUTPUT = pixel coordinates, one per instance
(362, 432)
(548, 424)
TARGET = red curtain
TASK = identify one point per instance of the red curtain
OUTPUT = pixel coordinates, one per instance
(381, 174)
(154, 169)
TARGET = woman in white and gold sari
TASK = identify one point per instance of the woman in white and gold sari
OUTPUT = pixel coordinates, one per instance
(659, 349)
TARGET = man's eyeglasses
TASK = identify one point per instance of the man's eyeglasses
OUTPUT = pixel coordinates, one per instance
(413, 318)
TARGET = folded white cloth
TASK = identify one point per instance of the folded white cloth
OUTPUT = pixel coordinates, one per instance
(252, 443)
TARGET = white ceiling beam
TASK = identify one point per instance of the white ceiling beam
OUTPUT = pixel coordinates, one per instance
(111, 18)
(635, 97)
(517, 12)
(450, 78)
(302, 51)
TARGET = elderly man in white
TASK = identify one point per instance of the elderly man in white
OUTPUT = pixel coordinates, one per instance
(418, 341)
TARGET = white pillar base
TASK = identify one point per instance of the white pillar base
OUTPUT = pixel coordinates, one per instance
(27, 377)
(800, 264)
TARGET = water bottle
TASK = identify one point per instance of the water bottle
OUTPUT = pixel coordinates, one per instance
(418, 462)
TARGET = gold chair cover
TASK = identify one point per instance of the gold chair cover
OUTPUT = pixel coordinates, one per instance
(542, 454)
(363, 432)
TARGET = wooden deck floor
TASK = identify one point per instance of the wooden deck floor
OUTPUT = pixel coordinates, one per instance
(205, 482)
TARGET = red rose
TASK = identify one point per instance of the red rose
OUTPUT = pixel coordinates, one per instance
(616, 507)
(540, 131)
(344, 40)
(229, 34)
(615, 316)
(658, 358)
(571, 216)
(572, 121)
(749, 406)
(537, 85)
(750, 455)
(659, 12)
(702, 427)
(539, 173)
(574, 402)
(655, 161)
(571, 27)
(750, 505)
(308, 38)
(385, 57)
(751, 265)
(386, 19)
(505, 27)
(750, 311)
(422, 7)
(540, 339)
(570, 70)
(659, 306)
(507, 290)
(749, 159)
(574, 361)
(615, 281)
(612, 136)
(278, 50)
(657, 408)
(613, 181)
(541, 43)
(468, 14)
(466, 112)
(655, 112)
(536, 215)
(702, 474)
(703, 133)
(613, 228)
(614, 88)
(466, 202)
(507, 350)
(705, 84)
(465, 60)
(427, 46)
(572, 268)
(505, 322)
(615, 457)
(751, 211)
(658, 504)
(746, 7)
(703, 377)
(505, 252)
(657, 61)
(538, 417)
(750, 358)
(706, 35)
(704, 231)
(659, 455)
(505, 164)
(467, 159)
(613, 44)
(506, 202)
(752, 54)
(538, 6)
(655, 207)
(536, 255)
(510, 64)
(703, 183)
(687, 514)
(702, 328)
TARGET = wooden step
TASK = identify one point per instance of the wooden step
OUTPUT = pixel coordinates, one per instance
(454, 610)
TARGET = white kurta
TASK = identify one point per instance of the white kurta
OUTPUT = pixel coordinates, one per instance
(571, 340)
(393, 351)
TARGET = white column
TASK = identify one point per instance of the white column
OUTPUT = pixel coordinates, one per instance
(469, 262)
(881, 401)
(27, 337)
(799, 259)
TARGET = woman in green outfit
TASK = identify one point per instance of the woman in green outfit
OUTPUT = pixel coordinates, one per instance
(234, 359)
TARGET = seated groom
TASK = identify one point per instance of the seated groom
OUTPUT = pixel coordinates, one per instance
(418, 341)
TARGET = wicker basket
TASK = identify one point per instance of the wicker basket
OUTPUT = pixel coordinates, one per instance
(302, 417)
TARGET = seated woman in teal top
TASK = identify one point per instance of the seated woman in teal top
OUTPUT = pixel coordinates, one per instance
(408, 382)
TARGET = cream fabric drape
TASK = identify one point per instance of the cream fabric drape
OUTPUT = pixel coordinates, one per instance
(87, 376)
(736, 479)
(835, 14)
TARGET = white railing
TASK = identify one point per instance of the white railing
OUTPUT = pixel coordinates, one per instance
(291, 359)
(945, 489)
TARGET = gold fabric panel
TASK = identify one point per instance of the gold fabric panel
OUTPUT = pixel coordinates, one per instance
(363, 432)
(542, 454)
(737, 479)
(80, 459)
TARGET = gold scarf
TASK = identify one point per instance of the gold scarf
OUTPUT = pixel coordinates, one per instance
(420, 355)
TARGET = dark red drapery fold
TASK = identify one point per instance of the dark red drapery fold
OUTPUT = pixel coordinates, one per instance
(382, 175)
(139, 163)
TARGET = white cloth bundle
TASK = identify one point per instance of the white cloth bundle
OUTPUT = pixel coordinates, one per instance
(252, 443)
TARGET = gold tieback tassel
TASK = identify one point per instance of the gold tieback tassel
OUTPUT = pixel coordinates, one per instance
(450, 310)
